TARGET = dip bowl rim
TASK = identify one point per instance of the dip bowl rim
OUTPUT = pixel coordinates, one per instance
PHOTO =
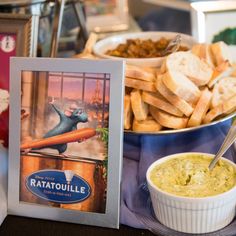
(185, 198)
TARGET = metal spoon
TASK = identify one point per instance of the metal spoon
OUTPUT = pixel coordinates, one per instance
(173, 45)
(229, 140)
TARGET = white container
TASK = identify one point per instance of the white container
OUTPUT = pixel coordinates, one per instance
(101, 47)
(188, 214)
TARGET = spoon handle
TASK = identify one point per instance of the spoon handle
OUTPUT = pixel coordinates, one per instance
(173, 45)
(229, 140)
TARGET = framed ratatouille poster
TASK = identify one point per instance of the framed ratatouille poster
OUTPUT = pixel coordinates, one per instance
(66, 147)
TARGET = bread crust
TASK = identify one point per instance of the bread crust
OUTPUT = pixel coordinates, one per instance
(148, 125)
(222, 109)
(203, 51)
(157, 100)
(139, 84)
(182, 105)
(221, 53)
(168, 120)
(220, 72)
(141, 73)
(200, 109)
(223, 90)
(139, 107)
(128, 114)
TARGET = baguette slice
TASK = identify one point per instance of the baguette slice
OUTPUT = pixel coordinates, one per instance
(158, 72)
(157, 100)
(190, 65)
(139, 107)
(163, 67)
(85, 56)
(93, 38)
(142, 73)
(148, 125)
(222, 109)
(223, 90)
(127, 112)
(221, 71)
(203, 51)
(221, 53)
(181, 86)
(234, 70)
(139, 84)
(200, 109)
(168, 120)
(182, 105)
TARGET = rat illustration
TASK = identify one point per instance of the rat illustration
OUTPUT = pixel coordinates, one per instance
(68, 122)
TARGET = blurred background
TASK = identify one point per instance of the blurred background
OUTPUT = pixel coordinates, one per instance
(71, 21)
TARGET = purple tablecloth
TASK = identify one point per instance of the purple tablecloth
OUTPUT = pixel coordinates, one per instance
(141, 151)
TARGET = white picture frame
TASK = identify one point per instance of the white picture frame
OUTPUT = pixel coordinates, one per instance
(208, 18)
(118, 20)
(54, 210)
(213, 21)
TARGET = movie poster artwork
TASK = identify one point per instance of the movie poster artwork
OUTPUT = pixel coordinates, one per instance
(64, 140)
(7, 50)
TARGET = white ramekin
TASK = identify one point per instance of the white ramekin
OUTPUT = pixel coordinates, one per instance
(192, 215)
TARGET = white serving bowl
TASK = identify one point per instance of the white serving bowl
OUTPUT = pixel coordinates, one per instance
(101, 47)
(188, 214)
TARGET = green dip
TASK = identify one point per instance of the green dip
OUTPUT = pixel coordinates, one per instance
(189, 176)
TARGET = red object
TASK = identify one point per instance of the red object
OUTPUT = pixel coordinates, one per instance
(7, 50)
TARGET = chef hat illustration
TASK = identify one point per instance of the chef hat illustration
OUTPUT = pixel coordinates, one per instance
(69, 174)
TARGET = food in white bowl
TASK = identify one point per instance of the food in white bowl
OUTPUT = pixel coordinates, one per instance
(187, 197)
(102, 47)
(147, 48)
(191, 90)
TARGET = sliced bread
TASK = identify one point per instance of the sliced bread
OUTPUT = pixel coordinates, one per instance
(157, 100)
(203, 51)
(93, 38)
(221, 71)
(148, 125)
(234, 70)
(200, 109)
(140, 84)
(181, 86)
(167, 120)
(221, 53)
(223, 90)
(176, 101)
(128, 114)
(142, 73)
(222, 109)
(139, 107)
(190, 65)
